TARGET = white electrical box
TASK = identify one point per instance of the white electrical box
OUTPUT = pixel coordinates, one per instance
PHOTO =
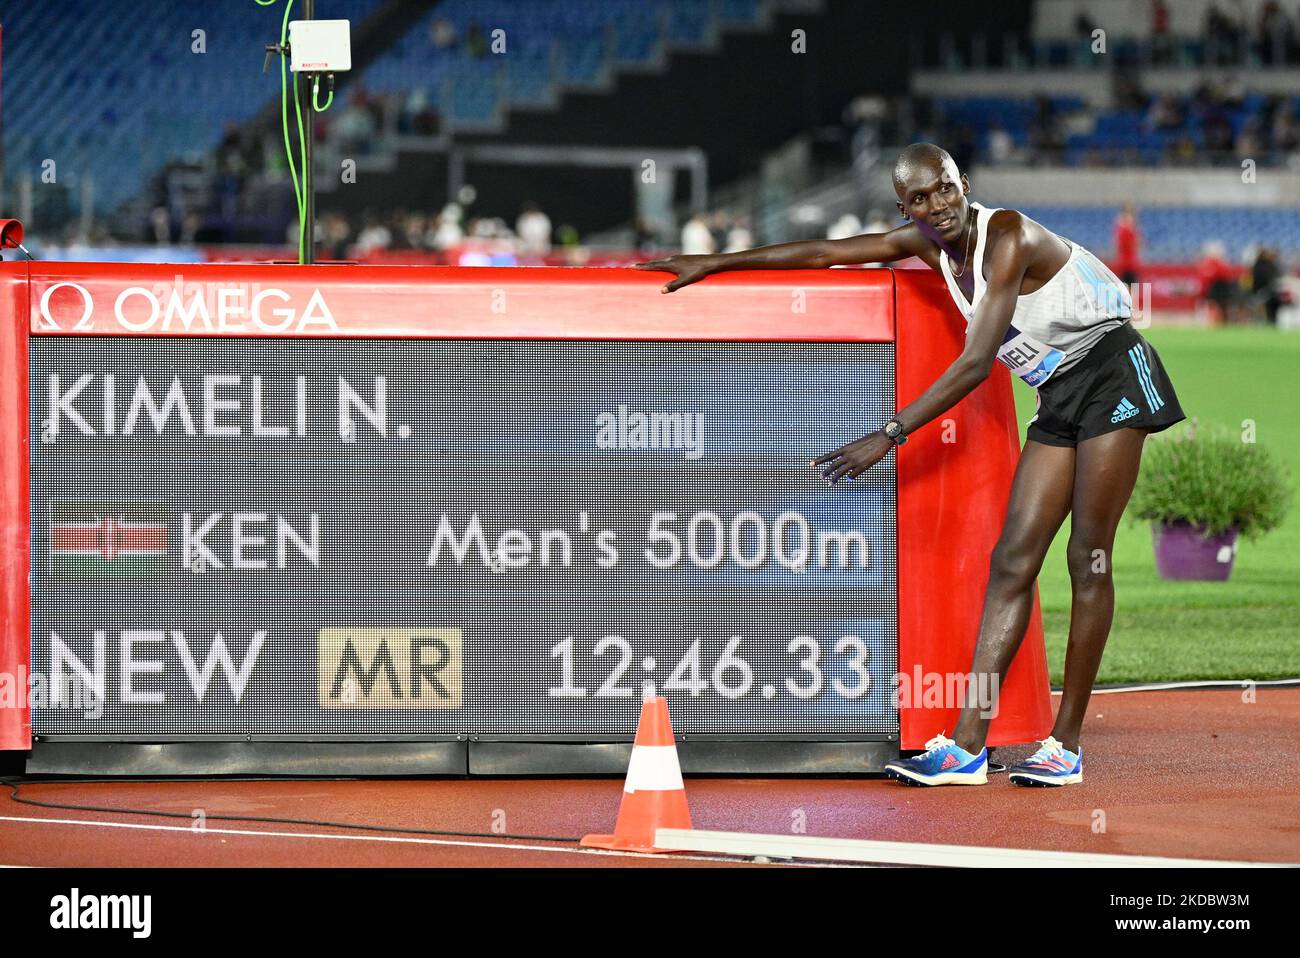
(320, 46)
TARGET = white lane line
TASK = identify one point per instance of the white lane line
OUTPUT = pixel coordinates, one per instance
(1206, 684)
(916, 853)
(396, 839)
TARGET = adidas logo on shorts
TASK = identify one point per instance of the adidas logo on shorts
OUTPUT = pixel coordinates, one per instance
(1125, 410)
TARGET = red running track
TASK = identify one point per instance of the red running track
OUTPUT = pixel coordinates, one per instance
(1186, 774)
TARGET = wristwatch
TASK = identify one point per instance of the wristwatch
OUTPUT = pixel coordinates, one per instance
(894, 430)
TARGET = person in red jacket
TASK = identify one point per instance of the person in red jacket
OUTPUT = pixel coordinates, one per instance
(1128, 242)
(1219, 284)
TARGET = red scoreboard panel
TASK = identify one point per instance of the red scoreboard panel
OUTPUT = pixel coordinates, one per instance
(401, 520)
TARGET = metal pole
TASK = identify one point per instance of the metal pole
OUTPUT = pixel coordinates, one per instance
(455, 173)
(25, 202)
(87, 206)
(699, 166)
(309, 181)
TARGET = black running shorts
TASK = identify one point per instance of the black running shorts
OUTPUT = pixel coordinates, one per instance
(1120, 383)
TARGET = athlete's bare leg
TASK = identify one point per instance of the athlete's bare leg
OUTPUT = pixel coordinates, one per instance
(1106, 469)
(1041, 494)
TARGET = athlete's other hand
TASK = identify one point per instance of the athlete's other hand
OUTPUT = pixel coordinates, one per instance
(852, 460)
(688, 269)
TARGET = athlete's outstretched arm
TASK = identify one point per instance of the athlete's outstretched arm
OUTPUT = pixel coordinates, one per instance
(808, 254)
(1007, 264)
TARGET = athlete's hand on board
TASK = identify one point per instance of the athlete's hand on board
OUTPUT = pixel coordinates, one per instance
(855, 458)
(688, 269)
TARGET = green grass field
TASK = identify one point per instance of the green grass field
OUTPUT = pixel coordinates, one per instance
(1249, 626)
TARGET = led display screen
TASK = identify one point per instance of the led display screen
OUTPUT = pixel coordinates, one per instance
(430, 538)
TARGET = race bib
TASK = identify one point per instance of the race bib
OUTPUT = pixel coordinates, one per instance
(1028, 358)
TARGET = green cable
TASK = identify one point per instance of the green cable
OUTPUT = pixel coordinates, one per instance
(298, 191)
(303, 227)
(315, 95)
(299, 186)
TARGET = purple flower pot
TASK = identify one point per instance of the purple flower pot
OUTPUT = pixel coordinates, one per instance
(1184, 552)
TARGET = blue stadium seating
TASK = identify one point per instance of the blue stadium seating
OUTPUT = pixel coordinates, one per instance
(1121, 134)
(1176, 234)
(549, 43)
(148, 100)
(123, 116)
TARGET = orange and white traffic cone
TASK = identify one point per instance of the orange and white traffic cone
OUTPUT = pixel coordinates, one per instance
(653, 794)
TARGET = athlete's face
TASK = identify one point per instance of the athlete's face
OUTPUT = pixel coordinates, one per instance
(934, 197)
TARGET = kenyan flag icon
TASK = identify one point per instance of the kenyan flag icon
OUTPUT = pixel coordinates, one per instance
(94, 538)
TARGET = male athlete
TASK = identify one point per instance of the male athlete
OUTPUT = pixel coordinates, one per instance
(1053, 313)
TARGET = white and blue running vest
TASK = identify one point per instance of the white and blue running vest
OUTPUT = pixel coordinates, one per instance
(1054, 326)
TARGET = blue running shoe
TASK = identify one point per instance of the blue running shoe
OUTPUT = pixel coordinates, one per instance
(1052, 764)
(943, 762)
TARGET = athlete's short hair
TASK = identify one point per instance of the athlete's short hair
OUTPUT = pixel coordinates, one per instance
(920, 154)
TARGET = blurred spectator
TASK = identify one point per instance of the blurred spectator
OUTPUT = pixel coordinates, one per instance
(1084, 26)
(696, 238)
(488, 227)
(160, 226)
(394, 221)
(1273, 39)
(447, 230)
(877, 222)
(720, 228)
(1269, 110)
(1252, 142)
(1044, 136)
(1203, 97)
(1224, 34)
(646, 235)
(374, 235)
(1161, 46)
(865, 115)
(1182, 151)
(844, 227)
(740, 236)
(1001, 144)
(1286, 131)
(190, 225)
(1126, 90)
(1166, 114)
(575, 254)
(475, 43)
(355, 126)
(1231, 92)
(443, 34)
(337, 232)
(1266, 283)
(232, 168)
(418, 117)
(1128, 244)
(415, 229)
(568, 236)
(1216, 129)
(534, 229)
(1218, 283)
(230, 151)
(1078, 123)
